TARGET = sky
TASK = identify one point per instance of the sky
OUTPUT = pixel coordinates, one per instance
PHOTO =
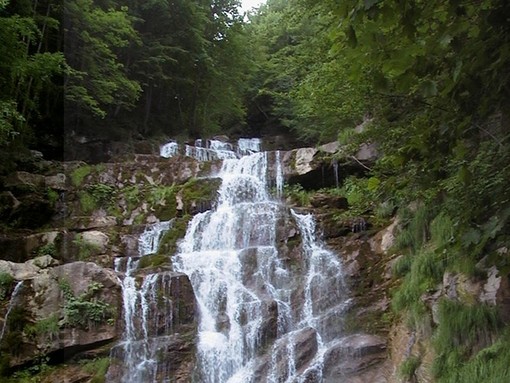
(249, 4)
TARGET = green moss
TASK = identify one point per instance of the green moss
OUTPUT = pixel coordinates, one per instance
(162, 201)
(87, 202)
(198, 191)
(79, 174)
(52, 196)
(153, 261)
(168, 244)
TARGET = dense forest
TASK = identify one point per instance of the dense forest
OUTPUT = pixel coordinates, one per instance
(428, 80)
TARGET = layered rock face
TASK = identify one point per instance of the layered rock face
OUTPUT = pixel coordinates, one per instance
(128, 262)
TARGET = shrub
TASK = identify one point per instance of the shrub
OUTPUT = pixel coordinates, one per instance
(84, 310)
(6, 281)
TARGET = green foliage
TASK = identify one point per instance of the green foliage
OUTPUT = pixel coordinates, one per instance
(6, 281)
(408, 368)
(79, 174)
(422, 272)
(85, 310)
(360, 193)
(101, 193)
(462, 332)
(297, 194)
(87, 202)
(162, 201)
(47, 328)
(96, 79)
(97, 367)
(490, 365)
(441, 230)
(52, 196)
(415, 228)
(48, 249)
(385, 210)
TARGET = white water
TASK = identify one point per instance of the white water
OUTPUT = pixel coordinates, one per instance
(212, 150)
(148, 243)
(243, 286)
(12, 303)
(142, 343)
(169, 149)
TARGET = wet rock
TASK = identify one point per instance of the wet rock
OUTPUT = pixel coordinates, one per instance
(328, 201)
(354, 355)
(305, 347)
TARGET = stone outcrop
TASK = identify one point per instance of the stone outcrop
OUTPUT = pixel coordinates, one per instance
(357, 358)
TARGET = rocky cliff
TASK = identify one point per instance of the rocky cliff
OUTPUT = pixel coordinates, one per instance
(67, 225)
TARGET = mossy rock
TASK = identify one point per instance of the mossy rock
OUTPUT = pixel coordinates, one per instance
(155, 260)
(199, 194)
(168, 244)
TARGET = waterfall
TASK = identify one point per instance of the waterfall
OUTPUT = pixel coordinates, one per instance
(247, 146)
(169, 149)
(335, 173)
(279, 175)
(12, 303)
(212, 150)
(147, 312)
(261, 317)
(148, 243)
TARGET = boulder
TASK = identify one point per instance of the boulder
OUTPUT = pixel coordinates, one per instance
(96, 239)
(23, 181)
(43, 299)
(303, 160)
(56, 182)
(330, 147)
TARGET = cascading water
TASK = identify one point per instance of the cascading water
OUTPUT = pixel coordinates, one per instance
(257, 309)
(12, 303)
(148, 313)
(169, 149)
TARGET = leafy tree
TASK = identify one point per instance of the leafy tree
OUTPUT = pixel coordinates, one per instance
(96, 81)
(30, 66)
